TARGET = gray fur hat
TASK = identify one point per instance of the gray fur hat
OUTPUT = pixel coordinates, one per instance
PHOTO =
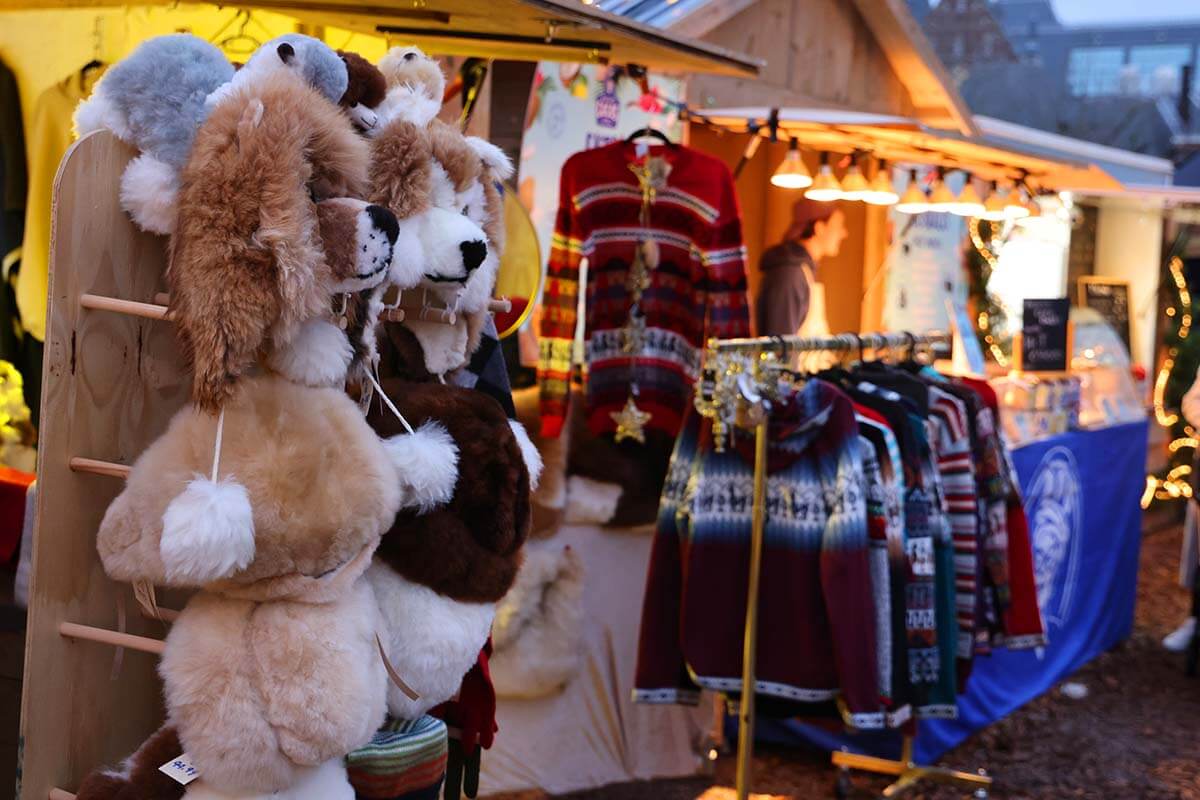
(154, 98)
(316, 61)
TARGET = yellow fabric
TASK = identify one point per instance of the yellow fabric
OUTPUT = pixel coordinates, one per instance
(49, 135)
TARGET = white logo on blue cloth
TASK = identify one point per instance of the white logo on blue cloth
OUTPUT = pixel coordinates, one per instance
(1055, 516)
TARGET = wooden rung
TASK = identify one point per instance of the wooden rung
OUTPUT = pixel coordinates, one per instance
(88, 633)
(59, 794)
(423, 313)
(97, 467)
(164, 614)
(499, 305)
(132, 307)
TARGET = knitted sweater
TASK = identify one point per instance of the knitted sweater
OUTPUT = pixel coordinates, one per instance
(816, 615)
(696, 291)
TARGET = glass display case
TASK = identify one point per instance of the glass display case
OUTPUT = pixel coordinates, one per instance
(1098, 392)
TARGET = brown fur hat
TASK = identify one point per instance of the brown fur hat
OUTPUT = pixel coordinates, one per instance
(320, 484)
(366, 90)
(367, 84)
(139, 778)
(470, 548)
(246, 266)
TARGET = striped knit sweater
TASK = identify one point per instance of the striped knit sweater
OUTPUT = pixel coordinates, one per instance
(697, 290)
(817, 624)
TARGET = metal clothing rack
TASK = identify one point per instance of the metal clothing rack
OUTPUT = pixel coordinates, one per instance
(728, 382)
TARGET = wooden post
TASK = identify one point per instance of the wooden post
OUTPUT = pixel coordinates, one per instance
(745, 754)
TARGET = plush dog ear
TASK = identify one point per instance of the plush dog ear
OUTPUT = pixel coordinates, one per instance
(495, 160)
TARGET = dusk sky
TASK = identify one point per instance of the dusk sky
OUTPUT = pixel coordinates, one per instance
(1081, 11)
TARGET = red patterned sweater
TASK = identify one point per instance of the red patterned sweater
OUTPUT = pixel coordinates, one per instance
(697, 291)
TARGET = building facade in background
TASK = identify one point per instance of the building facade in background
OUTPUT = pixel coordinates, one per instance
(1129, 85)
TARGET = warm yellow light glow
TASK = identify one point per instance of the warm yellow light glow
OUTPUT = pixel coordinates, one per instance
(914, 200)
(968, 203)
(792, 174)
(1014, 205)
(825, 187)
(941, 198)
(993, 207)
(882, 192)
(1175, 484)
(854, 185)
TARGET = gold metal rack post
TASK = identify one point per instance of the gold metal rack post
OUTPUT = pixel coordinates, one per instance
(907, 772)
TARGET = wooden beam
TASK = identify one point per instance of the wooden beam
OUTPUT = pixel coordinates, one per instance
(917, 65)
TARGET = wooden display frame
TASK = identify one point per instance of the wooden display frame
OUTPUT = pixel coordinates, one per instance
(112, 382)
(113, 378)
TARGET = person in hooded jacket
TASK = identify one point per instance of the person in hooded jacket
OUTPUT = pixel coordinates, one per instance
(791, 298)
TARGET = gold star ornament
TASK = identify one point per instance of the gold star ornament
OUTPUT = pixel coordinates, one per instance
(631, 422)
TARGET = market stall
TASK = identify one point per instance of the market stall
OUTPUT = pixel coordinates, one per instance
(114, 375)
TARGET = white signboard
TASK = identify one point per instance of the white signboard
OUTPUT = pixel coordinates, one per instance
(924, 271)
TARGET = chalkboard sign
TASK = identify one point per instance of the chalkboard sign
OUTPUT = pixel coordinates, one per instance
(1044, 338)
(1110, 298)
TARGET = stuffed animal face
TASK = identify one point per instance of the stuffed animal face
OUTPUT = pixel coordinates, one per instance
(314, 61)
(465, 176)
(438, 246)
(358, 238)
(365, 91)
(415, 84)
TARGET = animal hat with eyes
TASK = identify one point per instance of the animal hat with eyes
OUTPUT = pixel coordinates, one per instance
(441, 569)
(157, 98)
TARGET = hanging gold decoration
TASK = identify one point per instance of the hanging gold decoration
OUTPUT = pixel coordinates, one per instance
(631, 422)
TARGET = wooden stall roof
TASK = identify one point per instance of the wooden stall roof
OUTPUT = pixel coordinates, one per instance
(553, 30)
(902, 140)
(934, 96)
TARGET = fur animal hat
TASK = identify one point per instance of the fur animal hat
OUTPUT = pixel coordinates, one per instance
(315, 62)
(365, 90)
(440, 570)
(416, 86)
(247, 264)
(445, 187)
(154, 99)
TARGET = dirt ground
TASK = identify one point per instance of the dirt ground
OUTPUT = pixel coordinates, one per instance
(1134, 737)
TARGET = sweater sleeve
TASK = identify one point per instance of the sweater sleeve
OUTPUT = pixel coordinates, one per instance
(724, 261)
(845, 571)
(662, 675)
(560, 300)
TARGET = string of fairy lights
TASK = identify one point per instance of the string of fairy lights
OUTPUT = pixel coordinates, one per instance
(1176, 484)
(983, 320)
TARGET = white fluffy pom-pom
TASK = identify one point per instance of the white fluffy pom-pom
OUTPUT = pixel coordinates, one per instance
(98, 113)
(208, 532)
(148, 191)
(529, 452)
(319, 355)
(427, 463)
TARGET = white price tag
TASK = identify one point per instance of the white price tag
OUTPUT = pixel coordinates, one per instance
(180, 769)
